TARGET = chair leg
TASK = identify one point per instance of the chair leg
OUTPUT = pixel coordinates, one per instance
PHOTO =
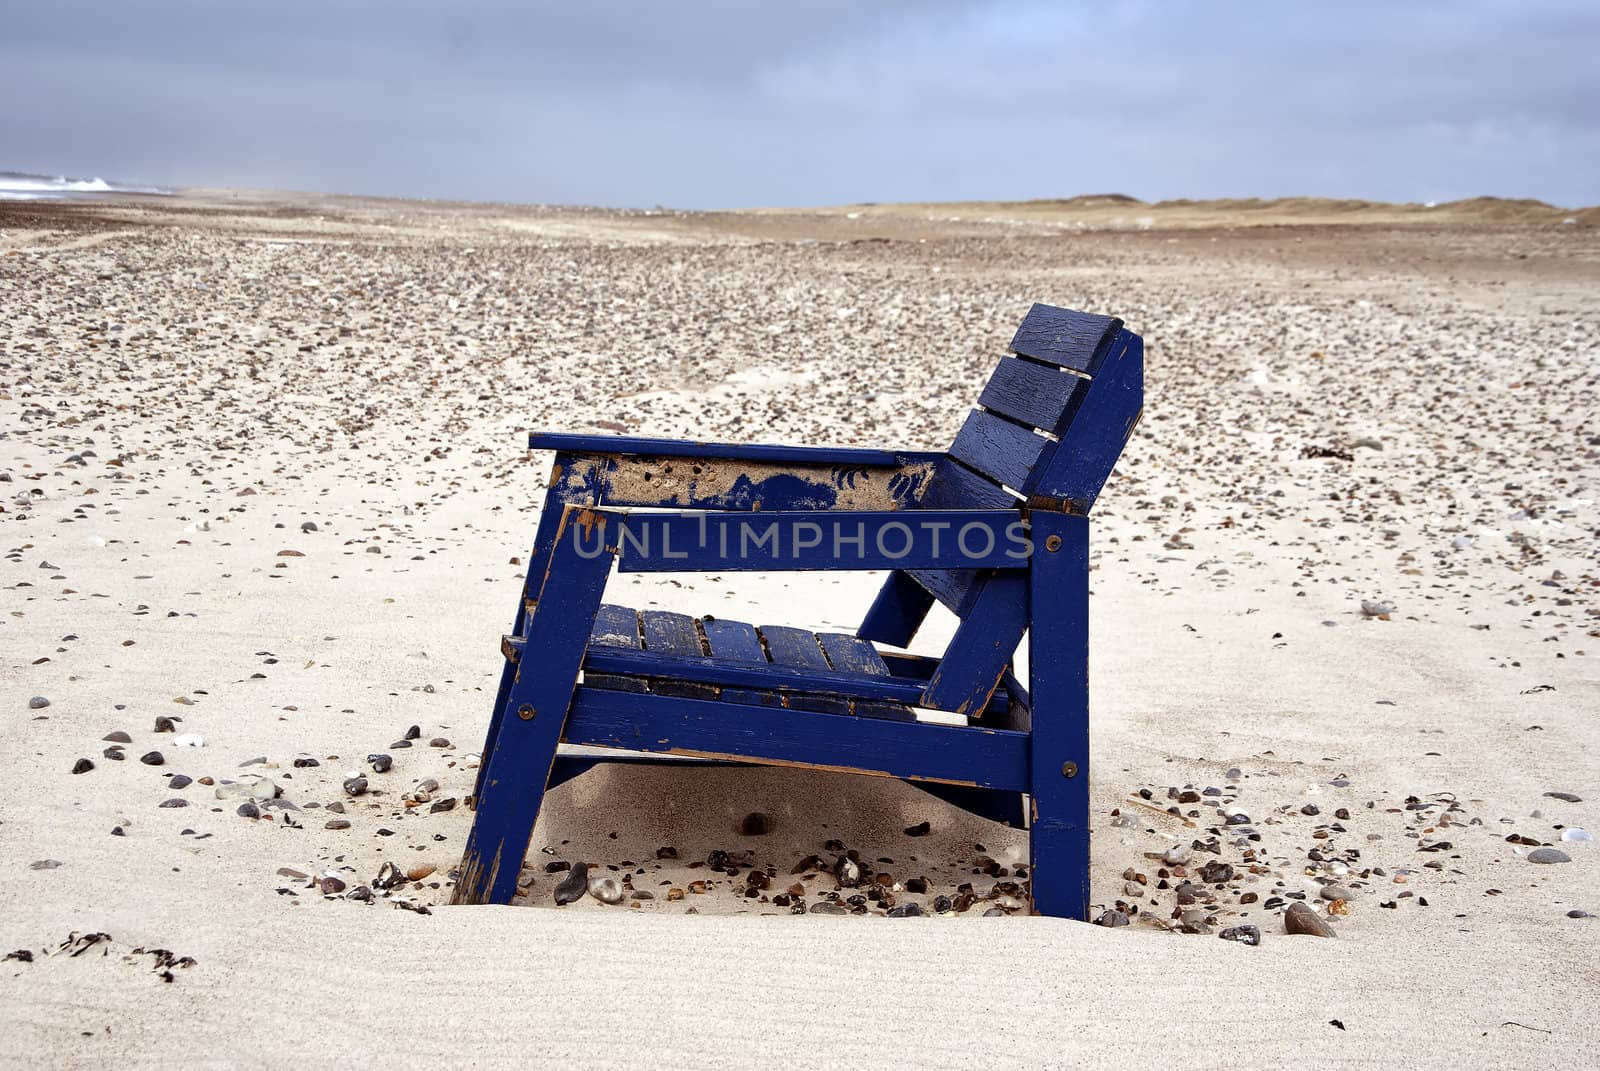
(1058, 667)
(538, 561)
(517, 769)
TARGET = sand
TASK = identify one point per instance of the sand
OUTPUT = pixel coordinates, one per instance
(1393, 412)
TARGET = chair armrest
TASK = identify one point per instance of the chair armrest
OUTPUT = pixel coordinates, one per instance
(849, 456)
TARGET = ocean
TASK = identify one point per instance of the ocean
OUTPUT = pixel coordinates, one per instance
(19, 186)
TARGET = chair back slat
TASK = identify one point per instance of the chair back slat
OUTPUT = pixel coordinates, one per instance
(1001, 450)
(1038, 395)
(1064, 337)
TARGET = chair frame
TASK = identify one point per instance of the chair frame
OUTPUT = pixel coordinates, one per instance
(1019, 742)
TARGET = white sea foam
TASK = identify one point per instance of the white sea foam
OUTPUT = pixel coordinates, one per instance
(15, 186)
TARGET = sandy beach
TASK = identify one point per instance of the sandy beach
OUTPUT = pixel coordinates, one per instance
(265, 502)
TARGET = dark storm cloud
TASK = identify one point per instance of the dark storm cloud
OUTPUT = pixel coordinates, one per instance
(717, 103)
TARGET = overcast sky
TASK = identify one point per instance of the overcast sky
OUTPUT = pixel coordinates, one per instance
(712, 103)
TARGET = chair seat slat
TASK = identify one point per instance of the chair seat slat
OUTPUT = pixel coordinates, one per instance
(671, 633)
(737, 641)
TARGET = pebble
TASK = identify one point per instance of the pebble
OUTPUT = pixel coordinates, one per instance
(1245, 935)
(337, 823)
(176, 801)
(389, 877)
(574, 885)
(82, 766)
(1579, 913)
(1548, 855)
(331, 886)
(355, 786)
(438, 741)
(180, 781)
(1573, 833)
(847, 871)
(1565, 797)
(1112, 917)
(38, 702)
(921, 829)
(188, 740)
(381, 763)
(117, 737)
(607, 890)
(906, 911)
(153, 758)
(1193, 921)
(829, 907)
(755, 824)
(1303, 920)
(248, 810)
(165, 724)
(1336, 892)
(1176, 855)
(305, 762)
(420, 871)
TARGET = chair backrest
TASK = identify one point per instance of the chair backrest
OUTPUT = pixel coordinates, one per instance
(1049, 427)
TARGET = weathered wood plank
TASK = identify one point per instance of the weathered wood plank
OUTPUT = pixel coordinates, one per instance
(674, 634)
(1003, 451)
(898, 611)
(1064, 337)
(987, 758)
(737, 641)
(848, 654)
(952, 486)
(1030, 393)
(746, 486)
(798, 648)
(752, 675)
(779, 452)
(616, 626)
(984, 642)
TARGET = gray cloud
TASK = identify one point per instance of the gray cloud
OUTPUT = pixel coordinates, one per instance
(715, 103)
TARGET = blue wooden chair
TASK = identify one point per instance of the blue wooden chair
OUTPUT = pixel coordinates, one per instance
(997, 530)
